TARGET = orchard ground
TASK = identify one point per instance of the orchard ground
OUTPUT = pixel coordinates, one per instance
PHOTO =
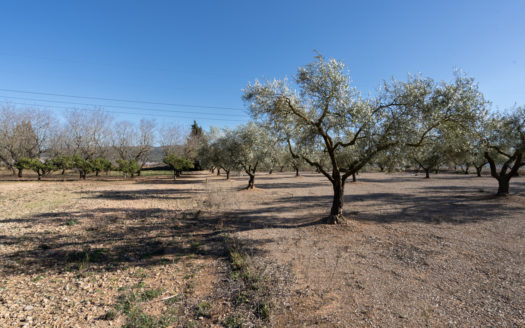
(152, 251)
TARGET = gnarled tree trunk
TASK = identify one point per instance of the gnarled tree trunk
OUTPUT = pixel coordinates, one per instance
(336, 212)
(478, 169)
(251, 181)
(503, 176)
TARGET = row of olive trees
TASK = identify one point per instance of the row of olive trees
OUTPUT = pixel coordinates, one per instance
(327, 124)
(248, 148)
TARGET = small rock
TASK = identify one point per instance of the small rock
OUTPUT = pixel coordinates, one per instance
(28, 308)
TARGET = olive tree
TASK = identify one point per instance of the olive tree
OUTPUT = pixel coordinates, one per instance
(296, 163)
(391, 159)
(429, 157)
(331, 117)
(224, 153)
(471, 152)
(505, 146)
(251, 146)
(208, 153)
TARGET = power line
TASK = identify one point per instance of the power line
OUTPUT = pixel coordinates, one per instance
(117, 106)
(120, 100)
(128, 113)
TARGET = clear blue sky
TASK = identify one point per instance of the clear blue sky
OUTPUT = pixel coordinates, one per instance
(205, 52)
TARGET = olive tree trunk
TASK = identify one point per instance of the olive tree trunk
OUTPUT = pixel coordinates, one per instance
(336, 212)
(251, 181)
(504, 175)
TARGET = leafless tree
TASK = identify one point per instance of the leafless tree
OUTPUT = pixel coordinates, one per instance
(171, 139)
(134, 143)
(23, 134)
(89, 133)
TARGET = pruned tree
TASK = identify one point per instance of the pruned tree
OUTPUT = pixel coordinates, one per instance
(128, 167)
(177, 164)
(82, 166)
(63, 163)
(39, 167)
(505, 146)
(100, 165)
(330, 116)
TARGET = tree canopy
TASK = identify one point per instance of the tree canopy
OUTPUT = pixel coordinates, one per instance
(325, 120)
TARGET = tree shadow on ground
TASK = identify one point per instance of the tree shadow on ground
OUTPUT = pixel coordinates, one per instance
(455, 205)
(168, 194)
(169, 180)
(106, 239)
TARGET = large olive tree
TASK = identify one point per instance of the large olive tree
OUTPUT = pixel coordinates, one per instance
(332, 118)
(505, 146)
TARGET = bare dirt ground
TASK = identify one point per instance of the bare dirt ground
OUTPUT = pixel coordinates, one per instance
(442, 252)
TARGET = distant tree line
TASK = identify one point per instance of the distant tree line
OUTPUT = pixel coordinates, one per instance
(87, 142)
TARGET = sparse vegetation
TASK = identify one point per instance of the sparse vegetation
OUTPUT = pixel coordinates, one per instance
(253, 288)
